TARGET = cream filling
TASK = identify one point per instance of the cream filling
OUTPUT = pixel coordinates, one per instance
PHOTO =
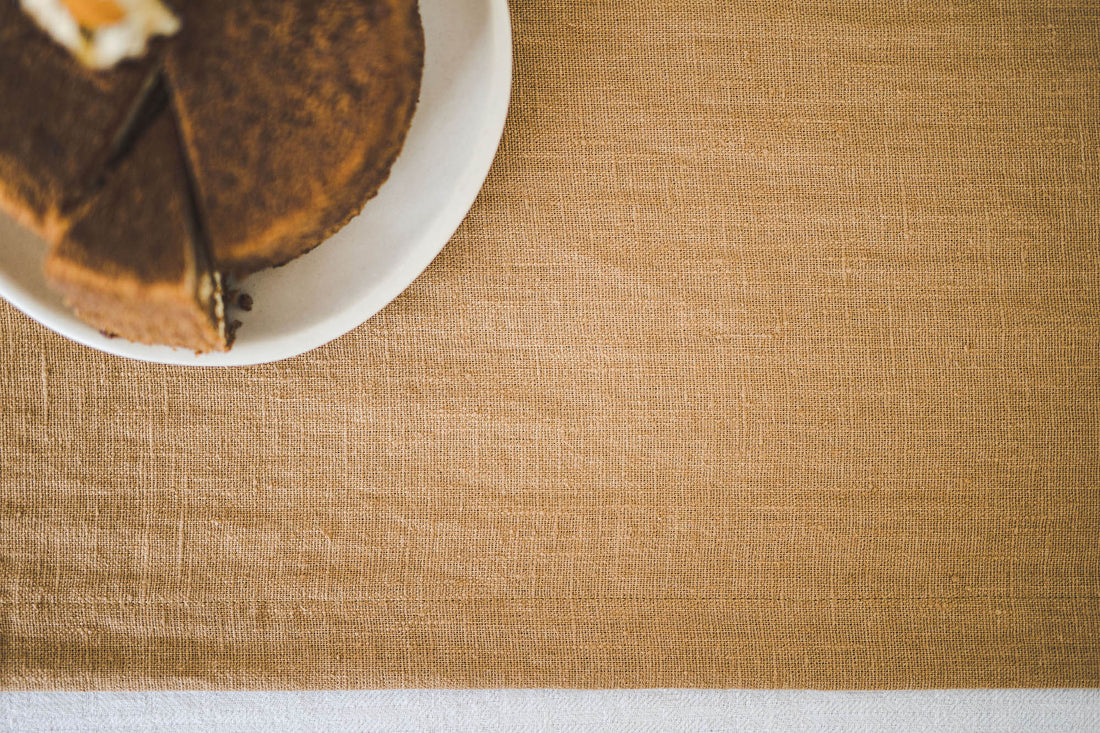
(101, 33)
(211, 287)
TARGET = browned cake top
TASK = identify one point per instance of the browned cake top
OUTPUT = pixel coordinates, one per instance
(56, 117)
(293, 113)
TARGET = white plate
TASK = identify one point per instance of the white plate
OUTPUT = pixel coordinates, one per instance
(339, 285)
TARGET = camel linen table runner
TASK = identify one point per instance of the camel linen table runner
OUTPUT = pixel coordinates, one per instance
(768, 357)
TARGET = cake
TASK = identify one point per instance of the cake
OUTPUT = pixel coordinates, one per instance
(237, 143)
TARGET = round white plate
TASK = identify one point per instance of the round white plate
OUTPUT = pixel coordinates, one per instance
(339, 285)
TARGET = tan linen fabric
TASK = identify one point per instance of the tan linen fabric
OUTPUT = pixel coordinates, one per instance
(767, 357)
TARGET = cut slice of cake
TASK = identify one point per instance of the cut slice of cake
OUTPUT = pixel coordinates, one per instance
(293, 112)
(133, 262)
(58, 119)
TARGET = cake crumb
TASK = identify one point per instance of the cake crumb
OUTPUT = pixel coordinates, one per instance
(244, 301)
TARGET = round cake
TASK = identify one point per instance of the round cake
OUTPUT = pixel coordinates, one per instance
(237, 143)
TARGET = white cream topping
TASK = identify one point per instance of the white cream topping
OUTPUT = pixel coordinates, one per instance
(104, 45)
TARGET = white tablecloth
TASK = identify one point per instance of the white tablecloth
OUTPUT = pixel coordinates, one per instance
(555, 710)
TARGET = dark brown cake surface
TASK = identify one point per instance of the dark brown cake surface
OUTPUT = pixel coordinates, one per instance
(57, 118)
(132, 262)
(293, 112)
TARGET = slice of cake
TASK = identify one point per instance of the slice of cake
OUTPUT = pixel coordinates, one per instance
(133, 263)
(293, 112)
(58, 119)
